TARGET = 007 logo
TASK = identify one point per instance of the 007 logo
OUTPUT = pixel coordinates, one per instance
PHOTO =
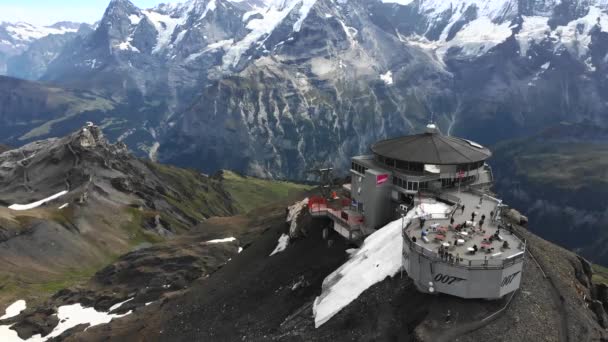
(509, 279)
(447, 279)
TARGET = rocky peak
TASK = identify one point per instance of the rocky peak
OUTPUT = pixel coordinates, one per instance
(90, 138)
(117, 19)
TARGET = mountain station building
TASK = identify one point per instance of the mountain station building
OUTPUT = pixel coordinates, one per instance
(454, 240)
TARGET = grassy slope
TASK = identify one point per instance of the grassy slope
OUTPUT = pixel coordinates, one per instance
(75, 106)
(600, 274)
(197, 196)
(565, 156)
(565, 166)
(249, 193)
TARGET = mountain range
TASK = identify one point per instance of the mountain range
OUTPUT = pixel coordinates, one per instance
(26, 49)
(277, 87)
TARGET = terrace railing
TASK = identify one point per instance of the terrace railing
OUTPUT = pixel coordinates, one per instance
(354, 228)
(487, 263)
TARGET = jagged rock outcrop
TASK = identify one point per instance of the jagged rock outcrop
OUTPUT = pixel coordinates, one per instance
(63, 212)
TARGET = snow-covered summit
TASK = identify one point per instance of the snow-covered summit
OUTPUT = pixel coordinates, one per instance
(25, 32)
(16, 37)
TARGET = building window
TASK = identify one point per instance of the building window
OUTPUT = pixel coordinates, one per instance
(358, 168)
(402, 165)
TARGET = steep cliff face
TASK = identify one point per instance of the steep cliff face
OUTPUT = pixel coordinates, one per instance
(358, 72)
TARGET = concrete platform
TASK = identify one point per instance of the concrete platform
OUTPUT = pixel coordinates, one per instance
(472, 235)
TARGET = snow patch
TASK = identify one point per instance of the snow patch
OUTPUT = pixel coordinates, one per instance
(230, 239)
(477, 37)
(28, 32)
(378, 258)
(75, 314)
(38, 203)
(387, 77)
(14, 309)
(69, 316)
(533, 31)
(135, 19)
(9, 335)
(165, 25)
(398, 2)
(118, 305)
(260, 28)
(304, 11)
(437, 9)
(576, 35)
(282, 245)
(222, 44)
(211, 6)
(126, 46)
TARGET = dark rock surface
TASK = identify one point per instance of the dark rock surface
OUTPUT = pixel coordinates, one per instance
(253, 298)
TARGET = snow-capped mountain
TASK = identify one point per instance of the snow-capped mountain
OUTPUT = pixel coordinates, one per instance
(19, 35)
(16, 38)
(283, 85)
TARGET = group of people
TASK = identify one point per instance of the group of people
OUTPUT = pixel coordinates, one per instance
(445, 255)
(495, 236)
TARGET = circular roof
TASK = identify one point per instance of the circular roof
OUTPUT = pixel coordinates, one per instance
(432, 148)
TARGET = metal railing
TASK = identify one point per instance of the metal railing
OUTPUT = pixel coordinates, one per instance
(355, 230)
(487, 263)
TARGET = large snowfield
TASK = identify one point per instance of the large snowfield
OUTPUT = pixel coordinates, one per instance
(379, 257)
